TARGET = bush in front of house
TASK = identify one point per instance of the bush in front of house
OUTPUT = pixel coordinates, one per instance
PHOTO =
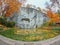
(10, 24)
(52, 24)
(6, 23)
(2, 20)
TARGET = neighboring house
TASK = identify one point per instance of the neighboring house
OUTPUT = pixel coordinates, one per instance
(55, 6)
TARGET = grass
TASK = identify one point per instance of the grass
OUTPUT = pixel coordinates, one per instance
(43, 33)
(30, 35)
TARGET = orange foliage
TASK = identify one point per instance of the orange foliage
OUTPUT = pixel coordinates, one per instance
(53, 16)
(13, 6)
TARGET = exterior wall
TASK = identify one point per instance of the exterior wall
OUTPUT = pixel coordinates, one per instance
(28, 18)
(26, 13)
(39, 20)
(36, 18)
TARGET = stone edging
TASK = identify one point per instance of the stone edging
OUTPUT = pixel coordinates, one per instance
(14, 42)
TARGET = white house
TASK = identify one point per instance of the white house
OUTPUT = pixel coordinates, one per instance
(29, 18)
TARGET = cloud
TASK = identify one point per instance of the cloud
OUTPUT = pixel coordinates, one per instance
(37, 3)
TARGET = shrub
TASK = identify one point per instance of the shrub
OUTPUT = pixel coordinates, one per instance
(52, 24)
(10, 24)
(4, 22)
(1, 29)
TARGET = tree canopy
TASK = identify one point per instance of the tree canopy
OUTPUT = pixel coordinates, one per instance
(53, 16)
(11, 6)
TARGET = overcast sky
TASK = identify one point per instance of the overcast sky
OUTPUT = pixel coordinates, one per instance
(38, 3)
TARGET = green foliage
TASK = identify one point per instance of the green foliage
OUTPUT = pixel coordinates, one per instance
(1, 29)
(43, 35)
(45, 24)
(59, 13)
(4, 22)
(52, 24)
(56, 28)
(49, 24)
(10, 24)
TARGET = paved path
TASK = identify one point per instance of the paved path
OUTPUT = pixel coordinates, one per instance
(7, 41)
(3, 43)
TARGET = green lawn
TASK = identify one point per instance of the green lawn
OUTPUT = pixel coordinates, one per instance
(30, 35)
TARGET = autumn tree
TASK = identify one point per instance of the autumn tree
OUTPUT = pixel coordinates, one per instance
(52, 11)
(11, 7)
(53, 17)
